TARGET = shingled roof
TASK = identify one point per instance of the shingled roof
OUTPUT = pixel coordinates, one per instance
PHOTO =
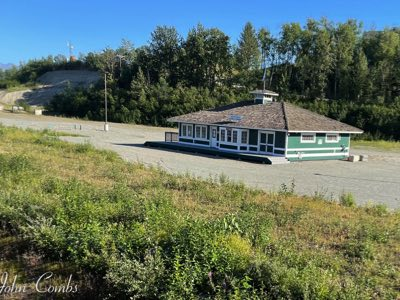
(274, 115)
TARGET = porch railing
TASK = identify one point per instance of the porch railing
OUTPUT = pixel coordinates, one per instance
(171, 136)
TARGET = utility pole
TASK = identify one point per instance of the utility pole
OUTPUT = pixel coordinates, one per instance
(106, 128)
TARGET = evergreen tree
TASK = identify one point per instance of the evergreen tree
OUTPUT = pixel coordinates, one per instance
(165, 46)
(247, 54)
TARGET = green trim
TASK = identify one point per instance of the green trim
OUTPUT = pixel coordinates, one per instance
(228, 146)
(186, 140)
(201, 142)
(279, 152)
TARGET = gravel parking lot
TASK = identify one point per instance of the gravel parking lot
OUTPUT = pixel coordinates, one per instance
(377, 180)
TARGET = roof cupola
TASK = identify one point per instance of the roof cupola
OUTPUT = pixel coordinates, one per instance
(264, 96)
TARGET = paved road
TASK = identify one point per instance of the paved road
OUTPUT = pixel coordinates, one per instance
(377, 180)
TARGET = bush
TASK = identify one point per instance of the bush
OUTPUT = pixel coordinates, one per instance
(361, 249)
(377, 210)
(347, 199)
(14, 164)
(137, 279)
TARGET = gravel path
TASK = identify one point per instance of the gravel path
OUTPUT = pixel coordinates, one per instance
(377, 180)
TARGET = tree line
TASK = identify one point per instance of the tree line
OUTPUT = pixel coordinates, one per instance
(339, 69)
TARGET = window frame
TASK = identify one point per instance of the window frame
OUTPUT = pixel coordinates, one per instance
(330, 141)
(235, 134)
(247, 137)
(186, 126)
(223, 134)
(200, 128)
(308, 141)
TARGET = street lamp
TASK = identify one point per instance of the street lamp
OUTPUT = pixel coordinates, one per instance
(106, 127)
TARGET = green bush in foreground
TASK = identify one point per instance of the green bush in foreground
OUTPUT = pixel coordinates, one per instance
(147, 234)
(347, 199)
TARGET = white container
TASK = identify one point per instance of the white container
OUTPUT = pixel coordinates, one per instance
(38, 112)
(106, 127)
(354, 158)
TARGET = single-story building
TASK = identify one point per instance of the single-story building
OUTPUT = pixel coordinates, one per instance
(264, 126)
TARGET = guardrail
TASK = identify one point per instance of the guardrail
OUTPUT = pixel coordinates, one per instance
(171, 136)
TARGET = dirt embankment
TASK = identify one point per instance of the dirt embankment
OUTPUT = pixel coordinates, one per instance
(50, 84)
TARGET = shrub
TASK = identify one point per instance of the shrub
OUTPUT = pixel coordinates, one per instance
(361, 249)
(134, 278)
(377, 210)
(14, 164)
(347, 199)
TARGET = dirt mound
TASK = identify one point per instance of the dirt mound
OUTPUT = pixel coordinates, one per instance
(50, 84)
(84, 78)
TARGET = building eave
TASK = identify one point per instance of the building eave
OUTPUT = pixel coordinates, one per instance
(323, 131)
(231, 126)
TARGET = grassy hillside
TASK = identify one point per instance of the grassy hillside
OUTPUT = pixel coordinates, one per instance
(141, 232)
(378, 144)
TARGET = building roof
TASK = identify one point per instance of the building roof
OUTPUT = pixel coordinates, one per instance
(274, 115)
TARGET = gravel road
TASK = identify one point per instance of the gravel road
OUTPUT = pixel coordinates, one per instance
(50, 84)
(376, 181)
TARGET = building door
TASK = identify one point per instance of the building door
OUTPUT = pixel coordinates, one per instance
(214, 137)
(266, 141)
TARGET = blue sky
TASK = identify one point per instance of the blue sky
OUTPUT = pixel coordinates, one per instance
(36, 28)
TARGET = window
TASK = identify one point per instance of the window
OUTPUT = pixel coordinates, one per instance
(186, 130)
(332, 138)
(229, 135)
(308, 137)
(243, 140)
(234, 136)
(223, 135)
(204, 132)
(201, 132)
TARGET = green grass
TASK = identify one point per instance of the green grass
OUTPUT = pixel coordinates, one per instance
(378, 144)
(140, 232)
